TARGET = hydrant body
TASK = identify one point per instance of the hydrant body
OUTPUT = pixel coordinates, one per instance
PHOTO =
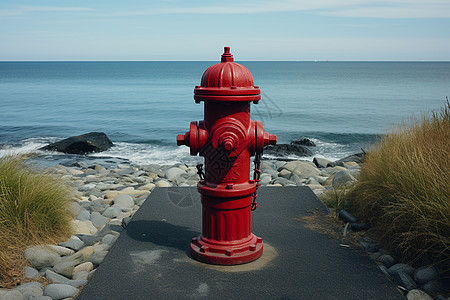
(226, 138)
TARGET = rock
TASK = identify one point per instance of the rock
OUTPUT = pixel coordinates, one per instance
(342, 178)
(163, 183)
(66, 266)
(109, 239)
(41, 256)
(54, 277)
(401, 268)
(147, 187)
(416, 294)
(73, 243)
(30, 290)
(124, 201)
(62, 251)
(172, 173)
(321, 162)
(285, 174)
(82, 275)
(435, 287)
(304, 142)
(31, 272)
(83, 227)
(81, 144)
(112, 212)
(98, 220)
(11, 295)
(404, 280)
(60, 291)
(86, 266)
(86, 252)
(97, 257)
(384, 270)
(358, 158)
(284, 150)
(88, 240)
(75, 208)
(76, 283)
(425, 274)
(386, 260)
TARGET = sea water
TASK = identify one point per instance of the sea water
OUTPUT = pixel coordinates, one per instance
(142, 106)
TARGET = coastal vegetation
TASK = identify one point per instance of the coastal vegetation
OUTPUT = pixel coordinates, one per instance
(403, 191)
(34, 208)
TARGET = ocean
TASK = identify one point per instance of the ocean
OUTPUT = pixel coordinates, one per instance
(142, 106)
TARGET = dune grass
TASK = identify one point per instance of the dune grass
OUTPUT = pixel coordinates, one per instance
(33, 209)
(404, 190)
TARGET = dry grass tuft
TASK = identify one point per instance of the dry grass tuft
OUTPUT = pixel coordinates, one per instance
(33, 209)
(404, 190)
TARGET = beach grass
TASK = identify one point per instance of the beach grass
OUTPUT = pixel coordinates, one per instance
(404, 190)
(34, 209)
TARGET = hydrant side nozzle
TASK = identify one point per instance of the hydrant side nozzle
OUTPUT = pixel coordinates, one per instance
(272, 139)
(181, 140)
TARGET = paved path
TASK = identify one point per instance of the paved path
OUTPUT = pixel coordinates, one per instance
(150, 259)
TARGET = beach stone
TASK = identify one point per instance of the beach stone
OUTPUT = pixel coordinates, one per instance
(30, 290)
(305, 170)
(435, 287)
(125, 201)
(265, 179)
(111, 194)
(54, 277)
(84, 215)
(342, 178)
(73, 243)
(109, 239)
(401, 268)
(86, 252)
(384, 270)
(31, 272)
(97, 257)
(62, 251)
(75, 208)
(425, 274)
(321, 162)
(163, 183)
(147, 187)
(83, 227)
(41, 256)
(285, 173)
(73, 171)
(404, 280)
(416, 294)
(82, 275)
(76, 283)
(88, 239)
(98, 220)
(112, 212)
(386, 260)
(60, 291)
(86, 266)
(65, 268)
(10, 295)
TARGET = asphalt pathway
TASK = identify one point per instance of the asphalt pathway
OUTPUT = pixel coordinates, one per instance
(150, 260)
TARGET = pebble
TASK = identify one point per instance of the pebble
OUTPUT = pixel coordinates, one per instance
(60, 291)
(425, 274)
(41, 256)
(31, 272)
(73, 243)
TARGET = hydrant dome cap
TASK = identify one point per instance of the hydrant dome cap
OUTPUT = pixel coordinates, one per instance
(227, 78)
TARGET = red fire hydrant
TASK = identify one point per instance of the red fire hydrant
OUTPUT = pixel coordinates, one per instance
(226, 138)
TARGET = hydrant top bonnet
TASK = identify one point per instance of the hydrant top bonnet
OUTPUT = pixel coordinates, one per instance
(227, 81)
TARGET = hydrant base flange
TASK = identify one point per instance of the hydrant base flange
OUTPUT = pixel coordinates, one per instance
(227, 255)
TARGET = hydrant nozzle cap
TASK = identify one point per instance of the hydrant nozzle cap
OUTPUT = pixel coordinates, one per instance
(227, 56)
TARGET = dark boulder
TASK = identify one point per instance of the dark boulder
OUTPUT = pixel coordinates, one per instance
(81, 144)
(358, 158)
(283, 150)
(304, 142)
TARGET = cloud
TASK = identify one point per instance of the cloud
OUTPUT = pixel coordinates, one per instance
(21, 10)
(344, 8)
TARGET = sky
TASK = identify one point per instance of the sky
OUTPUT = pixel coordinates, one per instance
(290, 30)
